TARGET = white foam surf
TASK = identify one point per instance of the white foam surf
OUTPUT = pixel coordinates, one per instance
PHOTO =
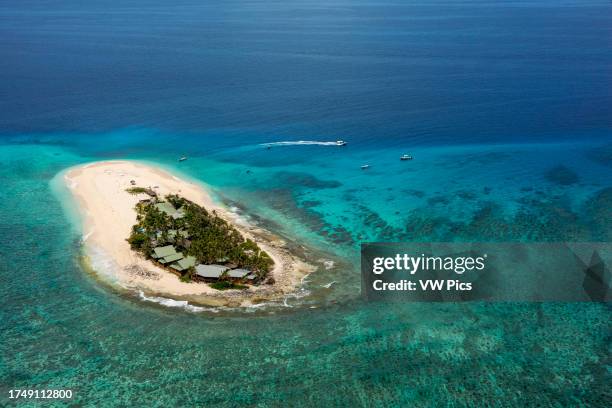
(102, 263)
(183, 304)
(86, 236)
(71, 183)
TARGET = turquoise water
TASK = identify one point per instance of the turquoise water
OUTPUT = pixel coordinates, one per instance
(505, 107)
(62, 329)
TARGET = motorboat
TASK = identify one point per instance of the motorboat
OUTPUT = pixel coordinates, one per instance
(183, 158)
(406, 157)
(340, 143)
(365, 166)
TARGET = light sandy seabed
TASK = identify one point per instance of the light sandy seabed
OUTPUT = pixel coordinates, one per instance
(108, 216)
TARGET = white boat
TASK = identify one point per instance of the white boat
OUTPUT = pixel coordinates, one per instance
(340, 143)
(365, 166)
(406, 157)
(183, 158)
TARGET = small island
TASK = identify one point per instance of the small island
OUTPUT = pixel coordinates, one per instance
(150, 232)
(197, 245)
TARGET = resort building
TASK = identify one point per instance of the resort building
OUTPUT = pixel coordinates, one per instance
(171, 234)
(169, 209)
(184, 264)
(177, 261)
(167, 254)
(210, 271)
(162, 252)
(238, 273)
(171, 258)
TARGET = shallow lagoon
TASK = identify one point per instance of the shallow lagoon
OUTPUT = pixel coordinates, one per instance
(113, 346)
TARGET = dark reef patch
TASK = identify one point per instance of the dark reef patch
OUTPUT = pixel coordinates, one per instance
(415, 193)
(340, 235)
(561, 175)
(466, 195)
(439, 199)
(420, 226)
(540, 217)
(293, 179)
(348, 197)
(378, 228)
(601, 155)
(286, 202)
(599, 214)
(311, 203)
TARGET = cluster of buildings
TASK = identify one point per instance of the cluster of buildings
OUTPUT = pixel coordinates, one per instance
(168, 256)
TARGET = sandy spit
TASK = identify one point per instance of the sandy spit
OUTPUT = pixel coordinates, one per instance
(108, 215)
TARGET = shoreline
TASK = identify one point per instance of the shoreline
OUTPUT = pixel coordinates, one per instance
(107, 215)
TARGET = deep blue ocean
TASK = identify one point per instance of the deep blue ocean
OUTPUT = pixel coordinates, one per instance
(506, 108)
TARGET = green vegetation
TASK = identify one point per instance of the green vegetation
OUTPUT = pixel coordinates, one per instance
(194, 231)
(138, 240)
(225, 285)
(187, 276)
(136, 190)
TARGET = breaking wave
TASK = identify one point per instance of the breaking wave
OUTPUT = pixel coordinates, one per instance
(102, 264)
(183, 304)
(71, 183)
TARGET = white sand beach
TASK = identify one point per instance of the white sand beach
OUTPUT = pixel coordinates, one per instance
(108, 215)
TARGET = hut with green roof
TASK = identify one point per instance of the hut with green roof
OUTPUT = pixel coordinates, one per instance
(184, 264)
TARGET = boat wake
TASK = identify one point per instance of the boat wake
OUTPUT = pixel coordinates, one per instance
(300, 143)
